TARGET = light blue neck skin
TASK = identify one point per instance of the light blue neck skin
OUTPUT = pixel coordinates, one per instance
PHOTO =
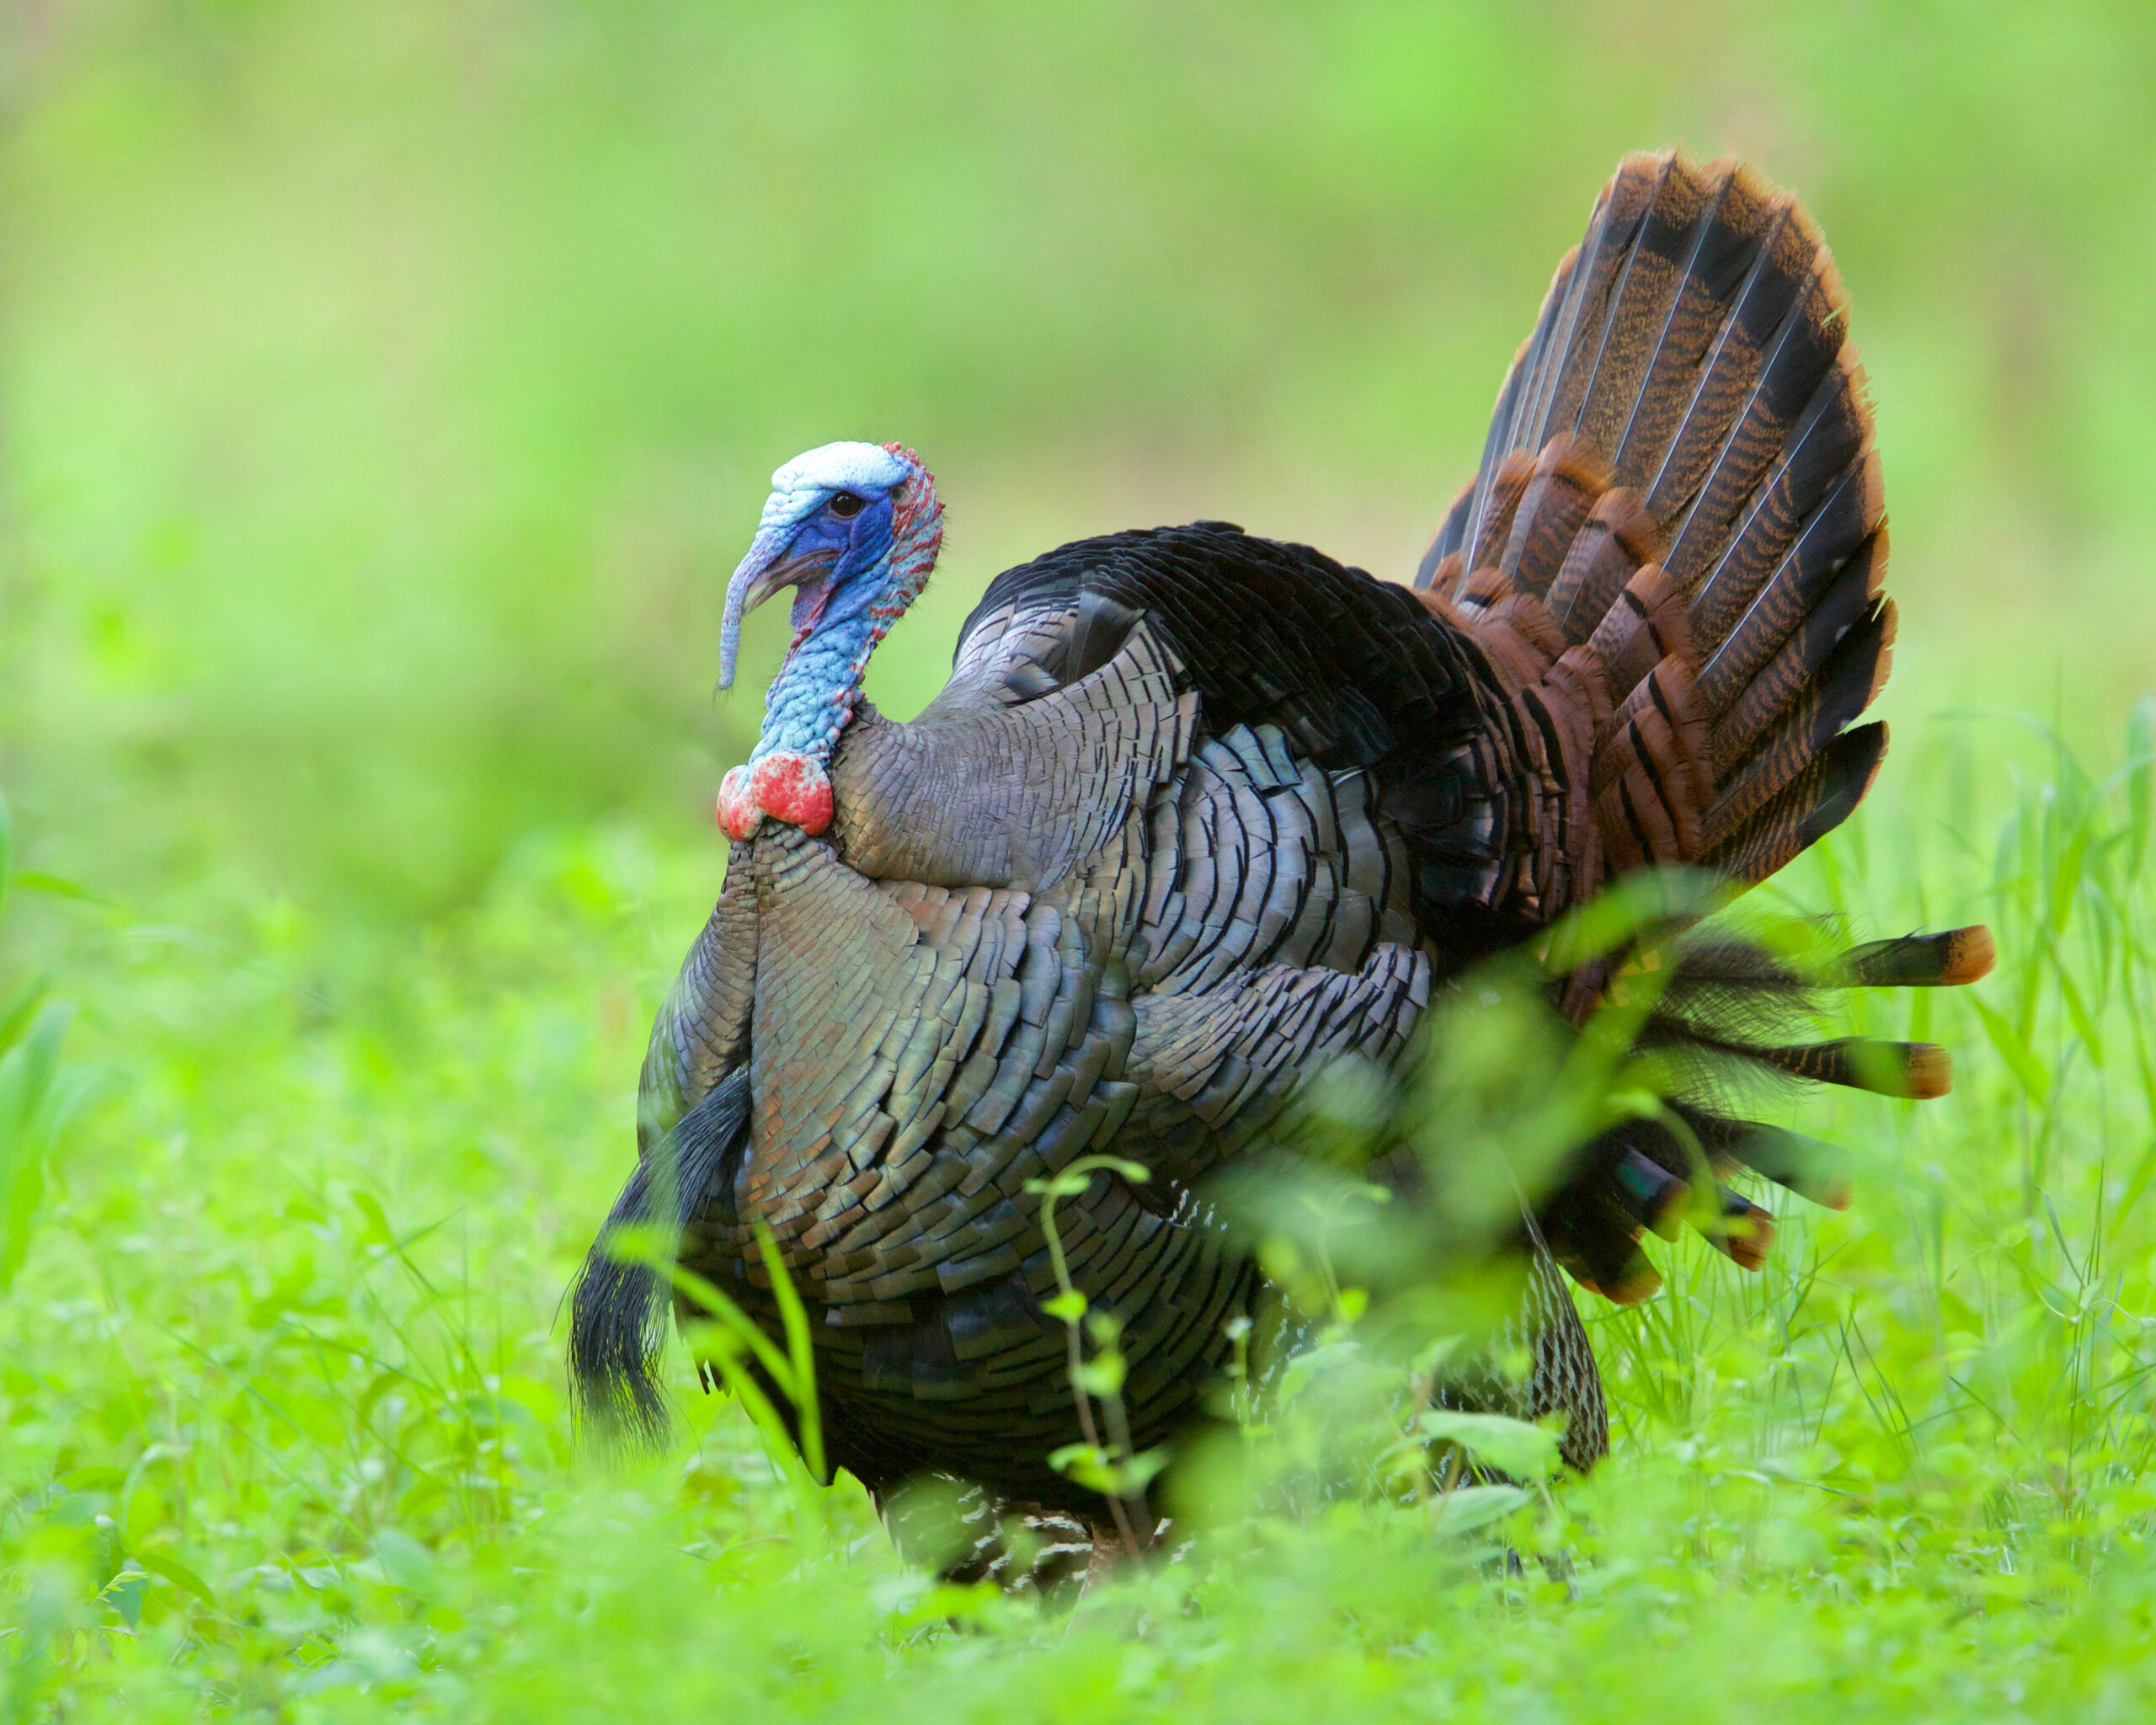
(812, 697)
(841, 565)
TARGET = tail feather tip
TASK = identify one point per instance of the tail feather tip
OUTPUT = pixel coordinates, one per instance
(1971, 955)
(1928, 1070)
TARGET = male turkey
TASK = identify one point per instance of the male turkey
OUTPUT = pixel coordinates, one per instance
(1198, 814)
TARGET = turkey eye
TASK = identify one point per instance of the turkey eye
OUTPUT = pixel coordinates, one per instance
(845, 505)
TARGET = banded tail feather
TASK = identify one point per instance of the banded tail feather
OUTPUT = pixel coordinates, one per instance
(1680, 479)
(1671, 561)
(1725, 1017)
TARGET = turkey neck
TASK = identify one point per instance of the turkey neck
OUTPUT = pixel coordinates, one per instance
(814, 697)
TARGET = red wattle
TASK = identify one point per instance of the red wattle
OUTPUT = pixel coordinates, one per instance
(737, 813)
(790, 786)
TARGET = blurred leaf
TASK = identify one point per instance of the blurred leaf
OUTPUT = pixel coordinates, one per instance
(57, 886)
(27, 1074)
(407, 1562)
(2084, 1023)
(376, 1230)
(2141, 775)
(1510, 1446)
(1097, 1471)
(20, 1011)
(1468, 1507)
(1141, 1470)
(178, 1574)
(1626, 909)
(2021, 1060)
(1086, 1463)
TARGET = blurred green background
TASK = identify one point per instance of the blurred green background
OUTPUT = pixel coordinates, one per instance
(390, 388)
(387, 390)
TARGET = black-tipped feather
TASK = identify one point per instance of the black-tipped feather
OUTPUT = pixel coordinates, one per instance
(1632, 203)
(1847, 604)
(1810, 1169)
(1948, 960)
(1820, 799)
(1799, 362)
(1731, 367)
(1755, 596)
(1833, 699)
(1654, 292)
(1727, 253)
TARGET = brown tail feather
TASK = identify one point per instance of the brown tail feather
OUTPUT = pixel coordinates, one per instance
(1596, 303)
(1916, 1071)
(1818, 800)
(1689, 385)
(1742, 1230)
(1566, 483)
(1671, 560)
(1653, 777)
(1771, 694)
(1822, 707)
(1646, 626)
(1665, 304)
(1730, 253)
(1499, 503)
(1617, 540)
(1959, 956)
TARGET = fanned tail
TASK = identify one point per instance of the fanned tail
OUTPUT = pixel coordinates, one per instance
(1671, 560)
(1673, 552)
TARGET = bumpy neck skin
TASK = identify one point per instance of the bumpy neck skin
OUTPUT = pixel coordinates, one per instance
(812, 697)
(836, 629)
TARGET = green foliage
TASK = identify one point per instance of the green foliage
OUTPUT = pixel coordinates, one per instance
(297, 1445)
(34, 1100)
(1112, 1467)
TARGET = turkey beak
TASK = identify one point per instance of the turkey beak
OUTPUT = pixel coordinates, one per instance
(771, 566)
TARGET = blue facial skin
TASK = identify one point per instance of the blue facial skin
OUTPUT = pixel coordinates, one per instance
(857, 576)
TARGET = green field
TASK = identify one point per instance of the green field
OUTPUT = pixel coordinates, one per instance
(388, 391)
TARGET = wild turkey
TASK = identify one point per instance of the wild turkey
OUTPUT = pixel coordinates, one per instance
(1198, 814)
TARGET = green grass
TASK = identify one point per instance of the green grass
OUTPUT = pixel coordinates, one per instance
(388, 390)
(287, 1433)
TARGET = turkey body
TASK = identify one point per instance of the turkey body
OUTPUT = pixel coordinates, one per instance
(1199, 814)
(1134, 903)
